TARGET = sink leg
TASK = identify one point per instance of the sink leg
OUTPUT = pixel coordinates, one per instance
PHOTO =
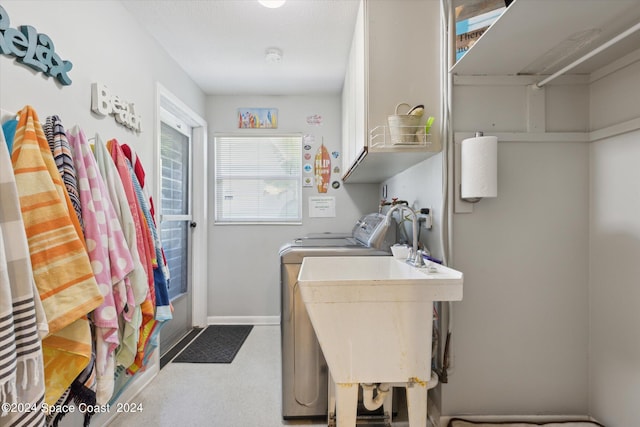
(331, 399)
(387, 404)
(417, 404)
(346, 404)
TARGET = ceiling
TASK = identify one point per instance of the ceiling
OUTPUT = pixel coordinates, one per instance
(221, 44)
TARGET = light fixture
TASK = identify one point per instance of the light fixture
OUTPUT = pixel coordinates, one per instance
(272, 4)
(273, 55)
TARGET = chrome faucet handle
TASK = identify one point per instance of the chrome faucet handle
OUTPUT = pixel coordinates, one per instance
(415, 258)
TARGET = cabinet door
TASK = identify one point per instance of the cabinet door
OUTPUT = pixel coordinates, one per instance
(348, 117)
(354, 133)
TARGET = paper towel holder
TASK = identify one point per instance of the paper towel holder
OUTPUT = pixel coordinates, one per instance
(481, 181)
(470, 199)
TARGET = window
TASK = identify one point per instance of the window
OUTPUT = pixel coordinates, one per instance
(258, 179)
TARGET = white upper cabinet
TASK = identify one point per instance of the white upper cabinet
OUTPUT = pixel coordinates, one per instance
(394, 59)
(354, 98)
(540, 37)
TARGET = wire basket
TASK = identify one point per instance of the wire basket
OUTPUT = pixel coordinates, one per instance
(403, 127)
(380, 137)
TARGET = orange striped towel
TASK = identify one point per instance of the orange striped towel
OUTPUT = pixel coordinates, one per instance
(61, 266)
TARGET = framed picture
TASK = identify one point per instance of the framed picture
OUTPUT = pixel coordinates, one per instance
(257, 118)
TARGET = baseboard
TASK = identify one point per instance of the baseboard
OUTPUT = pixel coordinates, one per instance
(444, 420)
(243, 320)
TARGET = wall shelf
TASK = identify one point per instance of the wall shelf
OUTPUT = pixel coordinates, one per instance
(539, 37)
(385, 163)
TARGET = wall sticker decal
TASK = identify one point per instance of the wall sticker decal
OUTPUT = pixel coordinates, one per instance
(322, 169)
(314, 120)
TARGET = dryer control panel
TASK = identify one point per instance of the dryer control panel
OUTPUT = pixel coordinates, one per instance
(373, 231)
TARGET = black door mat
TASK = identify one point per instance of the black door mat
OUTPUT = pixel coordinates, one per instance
(459, 422)
(216, 344)
(166, 357)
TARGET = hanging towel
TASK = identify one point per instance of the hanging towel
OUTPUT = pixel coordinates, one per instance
(81, 392)
(22, 318)
(9, 130)
(160, 270)
(147, 328)
(59, 146)
(66, 354)
(18, 251)
(146, 257)
(145, 252)
(139, 172)
(61, 267)
(110, 259)
(137, 280)
(96, 235)
(62, 154)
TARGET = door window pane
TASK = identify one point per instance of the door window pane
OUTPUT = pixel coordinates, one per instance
(175, 168)
(175, 240)
(175, 205)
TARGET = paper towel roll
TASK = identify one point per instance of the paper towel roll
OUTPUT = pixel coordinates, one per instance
(479, 167)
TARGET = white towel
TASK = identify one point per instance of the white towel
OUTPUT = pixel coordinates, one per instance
(22, 318)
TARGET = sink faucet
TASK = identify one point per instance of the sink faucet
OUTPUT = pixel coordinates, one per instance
(415, 258)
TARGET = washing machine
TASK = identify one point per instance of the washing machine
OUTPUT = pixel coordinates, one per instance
(304, 370)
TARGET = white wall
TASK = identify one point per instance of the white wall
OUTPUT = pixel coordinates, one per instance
(550, 306)
(244, 269)
(520, 334)
(549, 319)
(614, 368)
(521, 331)
(614, 291)
(105, 44)
(421, 187)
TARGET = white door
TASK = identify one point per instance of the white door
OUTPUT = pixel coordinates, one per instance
(176, 223)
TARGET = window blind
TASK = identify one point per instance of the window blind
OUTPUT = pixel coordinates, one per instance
(258, 178)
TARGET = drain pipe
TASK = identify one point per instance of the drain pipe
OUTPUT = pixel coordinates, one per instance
(433, 381)
(382, 390)
(370, 402)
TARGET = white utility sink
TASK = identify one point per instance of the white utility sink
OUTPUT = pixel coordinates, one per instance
(373, 319)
